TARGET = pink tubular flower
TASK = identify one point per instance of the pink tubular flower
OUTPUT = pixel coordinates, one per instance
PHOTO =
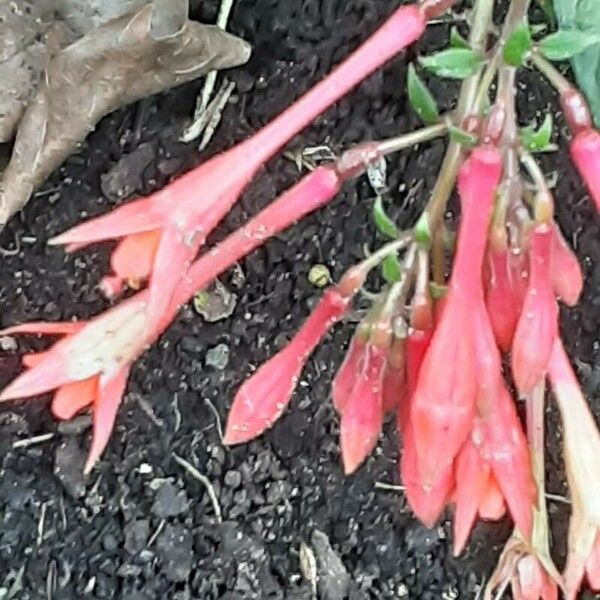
(538, 324)
(502, 299)
(443, 405)
(581, 453)
(351, 367)
(493, 467)
(585, 152)
(174, 222)
(394, 381)
(262, 399)
(426, 501)
(88, 367)
(362, 416)
(565, 271)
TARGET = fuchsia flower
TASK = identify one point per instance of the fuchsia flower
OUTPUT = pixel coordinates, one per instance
(585, 152)
(262, 399)
(362, 416)
(443, 406)
(426, 501)
(581, 453)
(565, 271)
(493, 467)
(502, 298)
(163, 233)
(394, 381)
(88, 367)
(538, 324)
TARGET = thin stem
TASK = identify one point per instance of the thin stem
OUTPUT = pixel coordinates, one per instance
(372, 261)
(534, 170)
(482, 18)
(408, 140)
(551, 73)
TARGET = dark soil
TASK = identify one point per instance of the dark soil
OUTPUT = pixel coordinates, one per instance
(142, 527)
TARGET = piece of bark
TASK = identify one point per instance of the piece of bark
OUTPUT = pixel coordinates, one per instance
(118, 63)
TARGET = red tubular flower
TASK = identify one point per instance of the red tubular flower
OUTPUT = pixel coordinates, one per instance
(262, 399)
(176, 220)
(538, 324)
(426, 501)
(503, 302)
(565, 271)
(581, 453)
(88, 367)
(443, 405)
(585, 152)
(362, 415)
(351, 367)
(394, 381)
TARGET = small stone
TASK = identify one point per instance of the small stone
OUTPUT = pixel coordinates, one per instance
(68, 467)
(109, 542)
(319, 276)
(218, 357)
(333, 579)
(8, 344)
(75, 426)
(169, 502)
(174, 548)
(215, 303)
(136, 535)
(233, 479)
(129, 570)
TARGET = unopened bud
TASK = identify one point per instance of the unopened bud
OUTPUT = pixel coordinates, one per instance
(576, 110)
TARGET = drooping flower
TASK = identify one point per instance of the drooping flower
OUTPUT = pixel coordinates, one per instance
(362, 416)
(88, 367)
(585, 152)
(176, 220)
(565, 271)
(502, 299)
(581, 451)
(443, 405)
(262, 399)
(538, 324)
(394, 381)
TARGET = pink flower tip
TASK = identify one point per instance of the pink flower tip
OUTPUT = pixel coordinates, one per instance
(585, 152)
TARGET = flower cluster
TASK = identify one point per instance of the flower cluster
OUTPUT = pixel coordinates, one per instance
(429, 348)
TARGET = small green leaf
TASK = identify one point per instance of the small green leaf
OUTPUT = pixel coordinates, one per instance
(382, 221)
(454, 63)
(437, 291)
(566, 43)
(423, 231)
(462, 137)
(518, 46)
(457, 40)
(538, 140)
(391, 269)
(420, 98)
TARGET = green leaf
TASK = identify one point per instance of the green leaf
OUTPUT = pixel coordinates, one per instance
(583, 15)
(538, 140)
(457, 40)
(567, 43)
(454, 63)
(423, 231)
(391, 269)
(420, 98)
(382, 221)
(462, 137)
(518, 46)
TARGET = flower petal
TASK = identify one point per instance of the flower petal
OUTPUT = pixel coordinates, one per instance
(108, 399)
(73, 397)
(44, 328)
(134, 255)
(134, 217)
